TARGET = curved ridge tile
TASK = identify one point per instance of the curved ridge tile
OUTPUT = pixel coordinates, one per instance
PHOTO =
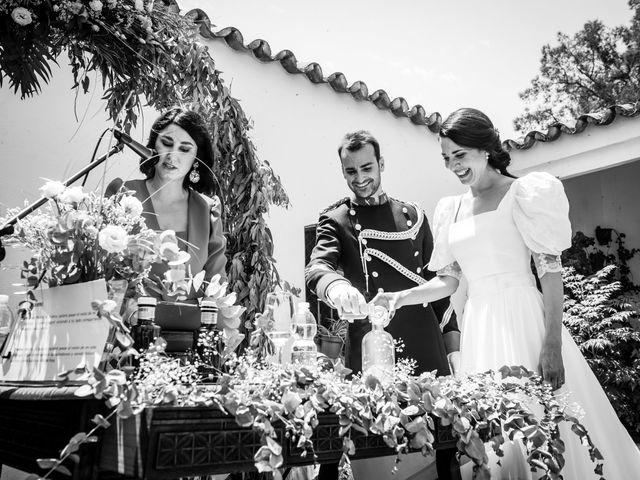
(399, 107)
(261, 50)
(599, 118)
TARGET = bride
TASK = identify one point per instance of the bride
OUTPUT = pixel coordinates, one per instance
(490, 234)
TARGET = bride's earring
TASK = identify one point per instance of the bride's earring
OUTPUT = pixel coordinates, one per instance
(194, 175)
(486, 155)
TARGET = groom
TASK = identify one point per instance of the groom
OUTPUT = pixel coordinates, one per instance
(372, 242)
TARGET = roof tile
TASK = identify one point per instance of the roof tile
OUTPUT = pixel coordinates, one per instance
(398, 106)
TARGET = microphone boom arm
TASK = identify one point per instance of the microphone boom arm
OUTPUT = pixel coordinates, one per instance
(7, 228)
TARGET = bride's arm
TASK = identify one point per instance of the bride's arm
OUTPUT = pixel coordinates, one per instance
(435, 289)
(551, 364)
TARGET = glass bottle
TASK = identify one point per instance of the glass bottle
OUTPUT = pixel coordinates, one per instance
(378, 349)
(209, 346)
(303, 327)
(146, 330)
(6, 320)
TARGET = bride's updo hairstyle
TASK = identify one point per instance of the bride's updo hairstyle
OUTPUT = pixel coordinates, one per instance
(469, 127)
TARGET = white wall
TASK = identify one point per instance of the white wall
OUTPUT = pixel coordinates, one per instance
(297, 127)
(610, 199)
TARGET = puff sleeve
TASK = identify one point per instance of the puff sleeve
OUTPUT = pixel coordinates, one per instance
(541, 214)
(442, 260)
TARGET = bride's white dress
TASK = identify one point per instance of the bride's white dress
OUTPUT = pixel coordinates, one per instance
(503, 320)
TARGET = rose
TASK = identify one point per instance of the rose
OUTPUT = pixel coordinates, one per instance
(132, 206)
(21, 16)
(113, 238)
(52, 188)
(72, 195)
(139, 4)
(95, 5)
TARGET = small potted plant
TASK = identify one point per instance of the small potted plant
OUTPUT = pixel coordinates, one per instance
(330, 339)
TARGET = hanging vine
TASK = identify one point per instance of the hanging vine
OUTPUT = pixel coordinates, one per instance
(148, 54)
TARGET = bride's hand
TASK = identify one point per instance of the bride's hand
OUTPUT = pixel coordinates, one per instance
(388, 300)
(551, 365)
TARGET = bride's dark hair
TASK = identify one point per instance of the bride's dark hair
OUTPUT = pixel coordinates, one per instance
(469, 127)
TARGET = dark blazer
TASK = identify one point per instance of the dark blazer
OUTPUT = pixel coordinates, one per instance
(206, 241)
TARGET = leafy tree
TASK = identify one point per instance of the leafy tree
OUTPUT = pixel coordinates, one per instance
(596, 68)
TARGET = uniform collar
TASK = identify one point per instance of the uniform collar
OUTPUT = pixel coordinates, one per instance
(379, 199)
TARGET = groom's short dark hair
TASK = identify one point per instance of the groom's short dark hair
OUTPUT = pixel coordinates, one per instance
(354, 141)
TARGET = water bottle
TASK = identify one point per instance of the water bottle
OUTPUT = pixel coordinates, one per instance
(378, 349)
(6, 320)
(146, 331)
(209, 346)
(303, 327)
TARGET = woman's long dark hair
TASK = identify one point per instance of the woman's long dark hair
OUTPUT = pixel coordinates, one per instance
(192, 123)
(469, 127)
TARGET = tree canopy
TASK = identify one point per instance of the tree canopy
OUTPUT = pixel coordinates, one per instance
(597, 67)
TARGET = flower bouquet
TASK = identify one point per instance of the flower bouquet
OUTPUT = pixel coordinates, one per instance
(80, 237)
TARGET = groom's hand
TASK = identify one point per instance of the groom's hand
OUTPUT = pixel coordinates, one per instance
(348, 300)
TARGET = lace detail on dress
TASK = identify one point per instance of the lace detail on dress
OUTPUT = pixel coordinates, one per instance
(546, 263)
(451, 270)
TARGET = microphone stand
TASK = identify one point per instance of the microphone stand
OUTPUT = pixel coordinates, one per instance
(7, 228)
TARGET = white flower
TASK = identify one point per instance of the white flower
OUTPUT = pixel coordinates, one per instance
(132, 206)
(139, 5)
(113, 238)
(21, 16)
(72, 195)
(95, 5)
(52, 188)
(91, 231)
(169, 251)
(109, 305)
(175, 275)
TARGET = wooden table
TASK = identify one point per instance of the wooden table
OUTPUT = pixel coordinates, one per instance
(162, 443)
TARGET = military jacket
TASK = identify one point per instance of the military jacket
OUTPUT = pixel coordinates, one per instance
(384, 246)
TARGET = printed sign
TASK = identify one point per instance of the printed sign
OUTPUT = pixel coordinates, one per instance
(62, 333)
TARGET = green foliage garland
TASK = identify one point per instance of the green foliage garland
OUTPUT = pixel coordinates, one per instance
(148, 54)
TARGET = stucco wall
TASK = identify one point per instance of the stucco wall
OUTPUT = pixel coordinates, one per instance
(610, 199)
(297, 127)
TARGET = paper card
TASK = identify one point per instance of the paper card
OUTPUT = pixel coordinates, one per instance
(62, 333)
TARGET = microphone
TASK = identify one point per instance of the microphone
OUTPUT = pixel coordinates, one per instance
(144, 152)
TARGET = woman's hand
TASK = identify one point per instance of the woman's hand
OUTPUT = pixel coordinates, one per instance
(551, 365)
(389, 300)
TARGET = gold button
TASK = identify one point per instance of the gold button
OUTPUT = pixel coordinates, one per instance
(368, 258)
(404, 210)
(409, 223)
(418, 269)
(364, 241)
(358, 226)
(375, 274)
(416, 254)
(352, 212)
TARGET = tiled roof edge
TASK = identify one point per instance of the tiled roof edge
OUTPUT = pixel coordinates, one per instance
(399, 107)
(602, 117)
(313, 71)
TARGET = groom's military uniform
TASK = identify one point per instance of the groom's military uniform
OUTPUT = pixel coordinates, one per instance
(385, 246)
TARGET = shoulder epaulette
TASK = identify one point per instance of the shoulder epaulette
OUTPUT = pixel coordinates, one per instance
(404, 202)
(333, 206)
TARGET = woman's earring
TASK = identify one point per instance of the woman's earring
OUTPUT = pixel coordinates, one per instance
(194, 175)
(486, 155)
